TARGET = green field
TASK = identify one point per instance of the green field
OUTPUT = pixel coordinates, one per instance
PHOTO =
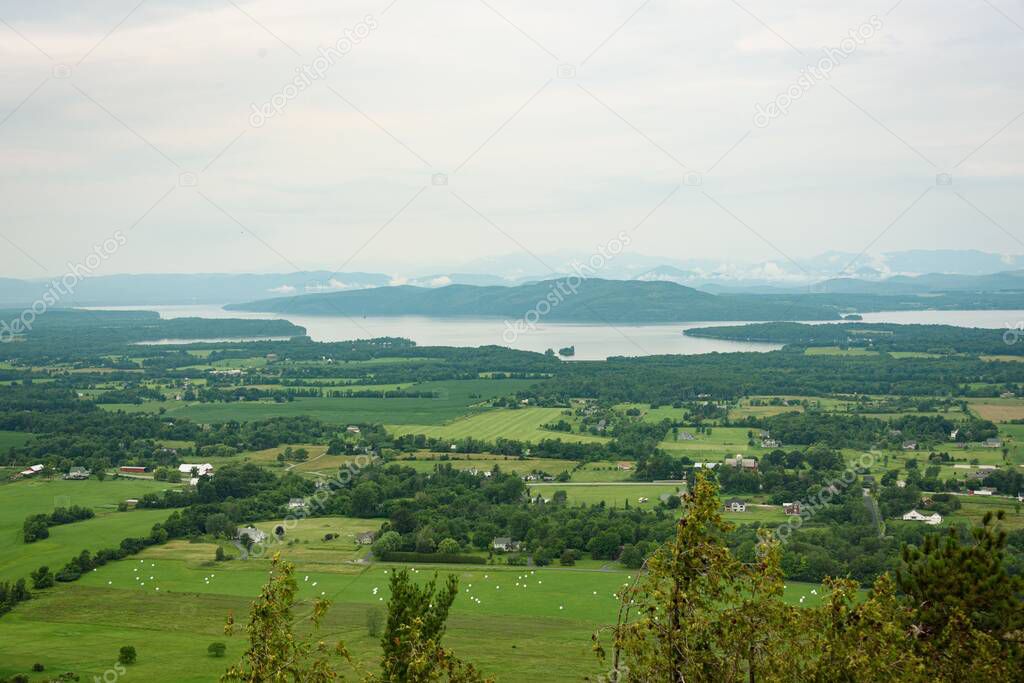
(106, 530)
(9, 440)
(521, 424)
(974, 508)
(722, 442)
(544, 623)
(836, 351)
(457, 398)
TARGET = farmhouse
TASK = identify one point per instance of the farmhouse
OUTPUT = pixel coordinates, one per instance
(77, 474)
(505, 544)
(366, 538)
(352, 429)
(915, 516)
(624, 466)
(297, 504)
(770, 443)
(735, 505)
(791, 508)
(254, 534)
(910, 445)
(204, 470)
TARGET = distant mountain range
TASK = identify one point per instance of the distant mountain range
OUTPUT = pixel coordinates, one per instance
(900, 273)
(594, 300)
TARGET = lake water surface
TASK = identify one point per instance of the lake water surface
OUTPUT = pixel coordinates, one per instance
(592, 341)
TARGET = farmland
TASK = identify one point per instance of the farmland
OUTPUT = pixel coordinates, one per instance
(107, 529)
(523, 424)
(172, 601)
(10, 440)
(455, 398)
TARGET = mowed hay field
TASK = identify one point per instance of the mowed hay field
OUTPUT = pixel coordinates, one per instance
(544, 623)
(523, 424)
(722, 442)
(485, 463)
(455, 399)
(998, 409)
(23, 498)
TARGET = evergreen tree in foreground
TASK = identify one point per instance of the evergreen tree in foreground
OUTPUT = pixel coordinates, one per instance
(695, 614)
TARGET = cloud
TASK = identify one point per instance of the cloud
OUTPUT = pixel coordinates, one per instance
(551, 162)
(283, 289)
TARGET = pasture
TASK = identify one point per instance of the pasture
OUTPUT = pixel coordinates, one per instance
(522, 424)
(456, 398)
(23, 498)
(544, 618)
(9, 440)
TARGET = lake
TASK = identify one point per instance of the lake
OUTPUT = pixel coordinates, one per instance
(592, 341)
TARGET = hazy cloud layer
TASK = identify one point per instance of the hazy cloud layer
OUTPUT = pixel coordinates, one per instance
(451, 131)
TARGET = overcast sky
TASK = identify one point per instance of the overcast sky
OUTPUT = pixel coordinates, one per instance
(555, 126)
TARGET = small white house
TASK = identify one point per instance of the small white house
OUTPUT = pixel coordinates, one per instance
(204, 470)
(505, 544)
(297, 504)
(735, 505)
(34, 469)
(915, 516)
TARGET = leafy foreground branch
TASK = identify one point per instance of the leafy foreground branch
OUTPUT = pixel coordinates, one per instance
(411, 640)
(698, 614)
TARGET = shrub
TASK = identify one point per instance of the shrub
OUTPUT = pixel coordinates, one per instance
(127, 655)
(216, 649)
(374, 621)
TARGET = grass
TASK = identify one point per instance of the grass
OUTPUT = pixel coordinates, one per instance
(543, 625)
(722, 442)
(107, 529)
(998, 409)
(456, 398)
(973, 508)
(426, 462)
(9, 440)
(836, 351)
(522, 424)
